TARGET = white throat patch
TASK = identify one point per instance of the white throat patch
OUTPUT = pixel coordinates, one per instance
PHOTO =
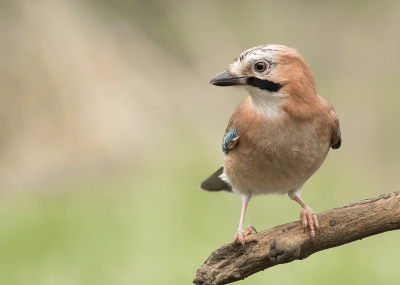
(266, 103)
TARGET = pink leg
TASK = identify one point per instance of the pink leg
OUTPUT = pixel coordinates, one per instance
(241, 233)
(307, 217)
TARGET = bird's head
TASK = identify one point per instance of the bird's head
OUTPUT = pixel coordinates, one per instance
(277, 78)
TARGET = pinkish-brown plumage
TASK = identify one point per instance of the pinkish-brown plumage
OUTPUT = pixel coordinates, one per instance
(276, 155)
(282, 131)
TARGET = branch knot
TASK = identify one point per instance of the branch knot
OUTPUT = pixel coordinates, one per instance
(284, 249)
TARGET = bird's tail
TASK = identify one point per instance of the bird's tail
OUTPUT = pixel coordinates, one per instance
(215, 182)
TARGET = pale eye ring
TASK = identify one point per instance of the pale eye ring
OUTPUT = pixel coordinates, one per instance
(260, 66)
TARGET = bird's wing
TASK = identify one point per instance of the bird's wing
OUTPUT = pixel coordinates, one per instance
(336, 139)
(215, 182)
(235, 126)
(231, 138)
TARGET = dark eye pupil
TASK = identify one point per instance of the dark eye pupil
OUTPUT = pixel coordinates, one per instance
(260, 66)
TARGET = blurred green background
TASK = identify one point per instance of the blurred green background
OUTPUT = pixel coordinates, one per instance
(108, 124)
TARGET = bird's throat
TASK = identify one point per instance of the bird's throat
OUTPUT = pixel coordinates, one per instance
(269, 104)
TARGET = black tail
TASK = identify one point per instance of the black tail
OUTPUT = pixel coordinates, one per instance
(215, 183)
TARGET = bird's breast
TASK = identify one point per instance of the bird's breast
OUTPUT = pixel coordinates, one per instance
(276, 156)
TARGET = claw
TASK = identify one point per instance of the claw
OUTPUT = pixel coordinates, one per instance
(241, 234)
(250, 229)
(309, 220)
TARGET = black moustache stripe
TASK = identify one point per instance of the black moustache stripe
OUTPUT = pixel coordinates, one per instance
(264, 84)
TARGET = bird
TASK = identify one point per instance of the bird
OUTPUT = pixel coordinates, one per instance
(279, 136)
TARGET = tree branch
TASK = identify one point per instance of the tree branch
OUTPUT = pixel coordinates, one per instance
(286, 243)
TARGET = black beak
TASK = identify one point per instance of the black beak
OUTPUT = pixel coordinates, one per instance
(225, 79)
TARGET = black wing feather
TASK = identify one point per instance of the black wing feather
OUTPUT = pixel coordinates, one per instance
(339, 143)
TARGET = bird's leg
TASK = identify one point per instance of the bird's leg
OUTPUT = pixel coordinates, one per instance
(241, 233)
(308, 218)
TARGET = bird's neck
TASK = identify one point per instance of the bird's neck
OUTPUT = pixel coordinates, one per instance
(269, 104)
(303, 104)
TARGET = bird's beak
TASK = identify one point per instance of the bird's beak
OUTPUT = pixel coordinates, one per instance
(225, 79)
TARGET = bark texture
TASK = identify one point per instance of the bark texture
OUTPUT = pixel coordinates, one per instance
(285, 243)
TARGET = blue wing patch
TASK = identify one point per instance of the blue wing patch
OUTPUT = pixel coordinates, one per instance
(230, 139)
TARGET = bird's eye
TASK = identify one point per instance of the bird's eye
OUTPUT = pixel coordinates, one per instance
(261, 66)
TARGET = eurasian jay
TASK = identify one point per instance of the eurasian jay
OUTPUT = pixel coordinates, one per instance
(278, 136)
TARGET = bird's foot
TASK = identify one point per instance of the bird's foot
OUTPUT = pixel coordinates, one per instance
(241, 234)
(309, 220)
